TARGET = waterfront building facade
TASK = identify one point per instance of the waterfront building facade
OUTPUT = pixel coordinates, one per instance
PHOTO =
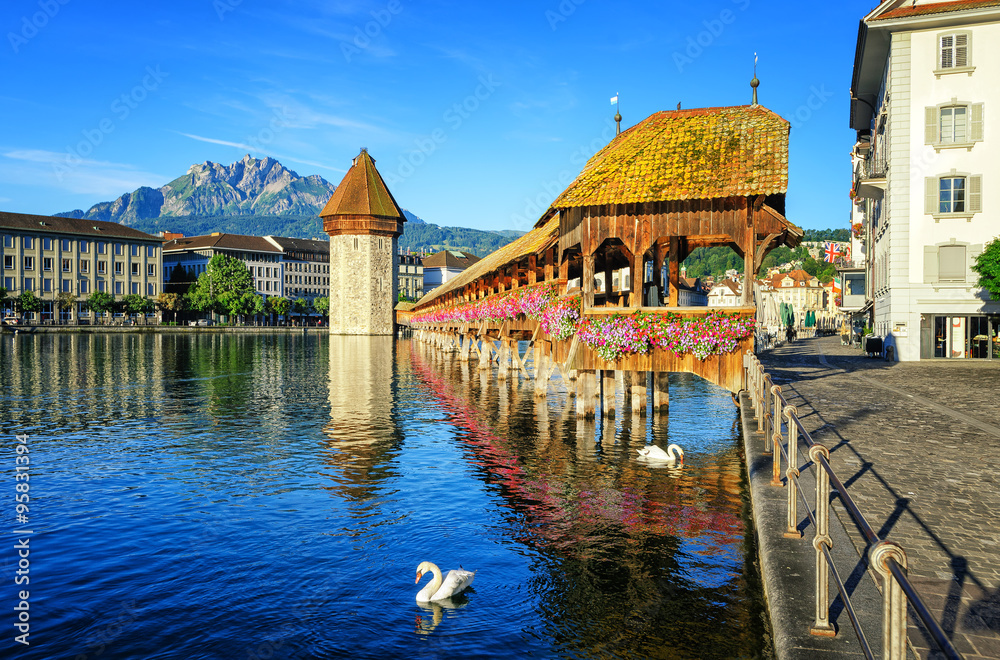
(287, 267)
(411, 276)
(927, 164)
(65, 260)
(726, 293)
(444, 266)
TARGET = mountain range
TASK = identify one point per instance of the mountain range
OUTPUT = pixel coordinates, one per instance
(262, 197)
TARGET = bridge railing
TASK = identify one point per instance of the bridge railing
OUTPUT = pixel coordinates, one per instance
(783, 432)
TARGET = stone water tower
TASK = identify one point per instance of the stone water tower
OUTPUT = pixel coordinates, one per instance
(364, 223)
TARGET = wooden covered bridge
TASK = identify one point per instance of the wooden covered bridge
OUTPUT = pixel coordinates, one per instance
(594, 286)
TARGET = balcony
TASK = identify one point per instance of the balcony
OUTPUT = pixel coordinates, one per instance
(870, 175)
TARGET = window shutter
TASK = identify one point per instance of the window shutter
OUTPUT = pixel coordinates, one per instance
(951, 263)
(961, 50)
(946, 51)
(976, 122)
(931, 194)
(930, 125)
(930, 264)
(975, 193)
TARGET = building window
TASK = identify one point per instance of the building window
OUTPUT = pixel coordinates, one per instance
(151, 251)
(84, 266)
(959, 124)
(67, 286)
(102, 248)
(28, 243)
(67, 245)
(151, 270)
(8, 241)
(8, 283)
(29, 263)
(84, 247)
(29, 284)
(102, 286)
(134, 269)
(135, 250)
(954, 50)
(119, 249)
(135, 288)
(953, 195)
(119, 268)
(8, 262)
(84, 286)
(67, 265)
(46, 263)
(150, 289)
(102, 267)
(47, 285)
(46, 243)
(118, 288)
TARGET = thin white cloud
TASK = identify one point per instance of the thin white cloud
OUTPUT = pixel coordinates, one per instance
(250, 149)
(33, 167)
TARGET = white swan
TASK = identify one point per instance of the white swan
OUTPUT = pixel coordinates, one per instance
(440, 588)
(654, 453)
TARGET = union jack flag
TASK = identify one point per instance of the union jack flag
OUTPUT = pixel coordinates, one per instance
(832, 251)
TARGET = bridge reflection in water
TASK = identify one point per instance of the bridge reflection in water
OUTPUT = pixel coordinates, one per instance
(577, 542)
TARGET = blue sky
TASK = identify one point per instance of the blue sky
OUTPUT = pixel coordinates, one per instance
(478, 114)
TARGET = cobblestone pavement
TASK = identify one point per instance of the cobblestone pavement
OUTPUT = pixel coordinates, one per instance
(918, 446)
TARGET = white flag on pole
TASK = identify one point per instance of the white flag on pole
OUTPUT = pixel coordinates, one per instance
(614, 99)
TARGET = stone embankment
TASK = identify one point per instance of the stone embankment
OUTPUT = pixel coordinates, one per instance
(918, 447)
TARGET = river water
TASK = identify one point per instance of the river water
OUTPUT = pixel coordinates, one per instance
(270, 496)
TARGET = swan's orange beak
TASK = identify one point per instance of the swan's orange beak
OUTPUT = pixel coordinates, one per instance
(419, 574)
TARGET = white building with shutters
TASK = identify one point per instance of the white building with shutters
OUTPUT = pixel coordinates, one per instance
(925, 102)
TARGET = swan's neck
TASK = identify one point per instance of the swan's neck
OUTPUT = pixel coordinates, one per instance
(428, 591)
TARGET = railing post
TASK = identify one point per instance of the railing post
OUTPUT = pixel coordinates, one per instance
(821, 626)
(792, 472)
(768, 416)
(893, 600)
(775, 391)
(759, 368)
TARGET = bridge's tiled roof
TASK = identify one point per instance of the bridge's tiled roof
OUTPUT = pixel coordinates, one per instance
(534, 242)
(701, 153)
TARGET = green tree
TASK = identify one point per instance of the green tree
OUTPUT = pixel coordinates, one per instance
(278, 305)
(300, 307)
(244, 304)
(225, 287)
(987, 266)
(65, 301)
(3, 297)
(170, 302)
(101, 302)
(133, 303)
(27, 303)
(322, 305)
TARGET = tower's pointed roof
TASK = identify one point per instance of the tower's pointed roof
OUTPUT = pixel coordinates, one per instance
(363, 192)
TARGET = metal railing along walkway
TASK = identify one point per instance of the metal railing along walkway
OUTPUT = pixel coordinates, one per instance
(783, 431)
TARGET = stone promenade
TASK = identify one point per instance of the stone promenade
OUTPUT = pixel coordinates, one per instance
(918, 447)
